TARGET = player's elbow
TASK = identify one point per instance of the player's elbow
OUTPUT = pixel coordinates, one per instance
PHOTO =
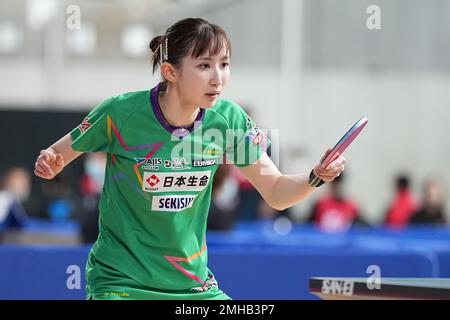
(280, 207)
(276, 205)
(272, 197)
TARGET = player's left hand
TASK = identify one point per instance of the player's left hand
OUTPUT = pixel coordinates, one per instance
(333, 170)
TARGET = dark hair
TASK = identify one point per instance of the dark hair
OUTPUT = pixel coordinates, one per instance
(191, 35)
(402, 182)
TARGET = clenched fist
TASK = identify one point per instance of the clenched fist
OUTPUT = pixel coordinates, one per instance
(48, 164)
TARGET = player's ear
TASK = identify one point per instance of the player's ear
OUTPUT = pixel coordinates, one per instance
(168, 72)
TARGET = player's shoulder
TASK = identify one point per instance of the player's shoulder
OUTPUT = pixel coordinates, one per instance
(126, 102)
(131, 96)
(132, 99)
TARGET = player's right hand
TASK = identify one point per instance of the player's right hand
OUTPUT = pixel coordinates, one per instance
(48, 164)
(333, 170)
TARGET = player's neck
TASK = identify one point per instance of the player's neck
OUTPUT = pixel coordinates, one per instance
(175, 111)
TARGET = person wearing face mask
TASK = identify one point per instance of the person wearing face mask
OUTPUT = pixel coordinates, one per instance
(335, 212)
(432, 208)
(91, 185)
(403, 204)
(14, 191)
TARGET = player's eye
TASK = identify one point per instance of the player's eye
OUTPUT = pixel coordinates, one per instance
(225, 64)
(204, 66)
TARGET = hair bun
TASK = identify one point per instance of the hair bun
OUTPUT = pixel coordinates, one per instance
(154, 44)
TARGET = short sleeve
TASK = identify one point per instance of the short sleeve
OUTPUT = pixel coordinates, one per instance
(249, 142)
(91, 135)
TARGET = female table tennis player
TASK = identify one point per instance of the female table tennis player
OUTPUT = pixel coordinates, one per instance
(154, 206)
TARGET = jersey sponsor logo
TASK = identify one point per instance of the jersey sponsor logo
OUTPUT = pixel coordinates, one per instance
(175, 181)
(254, 133)
(212, 152)
(152, 180)
(149, 164)
(84, 125)
(203, 163)
(176, 164)
(172, 203)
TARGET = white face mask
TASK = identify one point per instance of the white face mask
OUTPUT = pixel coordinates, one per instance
(95, 168)
(228, 193)
(22, 193)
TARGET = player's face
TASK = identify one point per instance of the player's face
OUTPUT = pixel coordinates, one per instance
(203, 79)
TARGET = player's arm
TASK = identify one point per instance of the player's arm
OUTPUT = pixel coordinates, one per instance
(282, 191)
(52, 160)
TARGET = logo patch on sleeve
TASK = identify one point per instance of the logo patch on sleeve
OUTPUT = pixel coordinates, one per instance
(84, 126)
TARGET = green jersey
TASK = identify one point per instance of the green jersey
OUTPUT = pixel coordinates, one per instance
(157, 190)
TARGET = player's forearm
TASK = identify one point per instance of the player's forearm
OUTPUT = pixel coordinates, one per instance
(64, 147)
(289, 190)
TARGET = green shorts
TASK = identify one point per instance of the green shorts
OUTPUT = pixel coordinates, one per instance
(105, 283)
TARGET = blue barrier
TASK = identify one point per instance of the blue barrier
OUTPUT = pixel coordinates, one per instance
(249, 263)
(44, 272)
(443, 258)
(41, 272)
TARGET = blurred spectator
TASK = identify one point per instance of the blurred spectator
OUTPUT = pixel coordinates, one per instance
(431, 210)
(94, 174)
(18, 182)
(15, 188)
(91, 188)
(403, 205)
(248, 196)
(335, 211)
(223, 209)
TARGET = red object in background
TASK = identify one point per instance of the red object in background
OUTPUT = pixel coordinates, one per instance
(400, 211)
(334, 214)
(88, 186)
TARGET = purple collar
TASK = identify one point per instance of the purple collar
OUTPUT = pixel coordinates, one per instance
(180, 131)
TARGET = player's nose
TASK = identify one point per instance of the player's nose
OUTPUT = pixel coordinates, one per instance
(216, 78)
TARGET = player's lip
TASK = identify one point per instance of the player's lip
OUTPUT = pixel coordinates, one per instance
(213, 93)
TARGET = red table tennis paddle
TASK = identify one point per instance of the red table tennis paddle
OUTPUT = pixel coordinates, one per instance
(345, 141)
(338, 149)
